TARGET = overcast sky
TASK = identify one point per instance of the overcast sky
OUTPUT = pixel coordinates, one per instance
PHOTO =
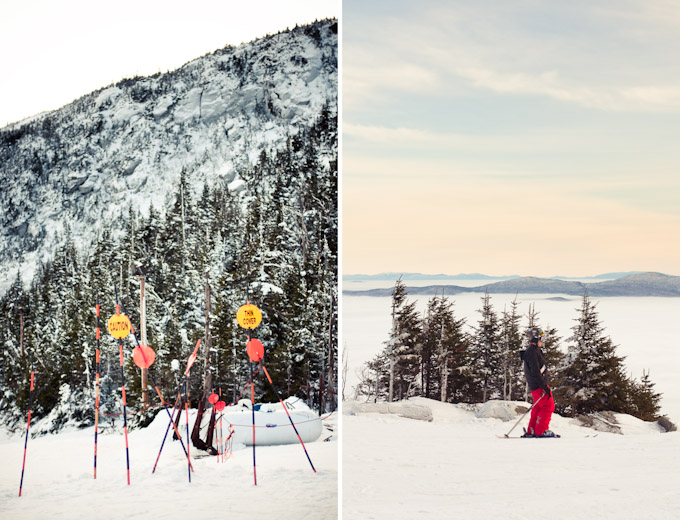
(529, 137)
(55, 52)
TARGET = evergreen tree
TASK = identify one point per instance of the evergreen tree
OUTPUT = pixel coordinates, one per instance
(487, 352)
(511, 341)
(431, 339)
(403, 345)
(276, 238)
(453, 357)
(644, 400)
(595, 377)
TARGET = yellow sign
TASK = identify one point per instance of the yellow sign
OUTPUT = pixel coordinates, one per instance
(249, 316)
(119, 326)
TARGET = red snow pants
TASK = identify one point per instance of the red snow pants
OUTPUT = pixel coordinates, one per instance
(541, 412)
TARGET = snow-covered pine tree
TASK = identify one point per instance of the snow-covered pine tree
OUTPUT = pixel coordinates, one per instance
(555, 360)
(452, 355)
(431, 340)
(13, 368)
(644, 399)
(594, 378)
(487, 352)
(403, 345)
(511, 341)
(374, 380)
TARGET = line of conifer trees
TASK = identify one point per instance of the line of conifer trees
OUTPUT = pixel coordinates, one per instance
(274, 242)
(439, 356)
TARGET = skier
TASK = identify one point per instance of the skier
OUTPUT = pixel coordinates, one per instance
(536, 375)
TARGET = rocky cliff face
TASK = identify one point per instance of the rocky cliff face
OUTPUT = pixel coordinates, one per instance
(122, 147)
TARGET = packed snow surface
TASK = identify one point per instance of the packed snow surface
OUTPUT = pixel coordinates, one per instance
(457, 467)
(59, 483)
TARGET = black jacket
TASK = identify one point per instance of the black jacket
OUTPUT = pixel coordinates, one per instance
(535, 371)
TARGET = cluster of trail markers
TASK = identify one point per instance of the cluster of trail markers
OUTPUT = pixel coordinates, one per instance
(120, 327)
(249, 317)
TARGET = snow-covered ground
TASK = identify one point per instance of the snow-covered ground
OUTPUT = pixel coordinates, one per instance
(457, 467)
(59, 483)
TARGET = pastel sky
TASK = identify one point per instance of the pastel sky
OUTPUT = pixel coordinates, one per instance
(527, 137)
(55, 52)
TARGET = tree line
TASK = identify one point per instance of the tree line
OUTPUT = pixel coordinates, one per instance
(273, 242)
(439, 355)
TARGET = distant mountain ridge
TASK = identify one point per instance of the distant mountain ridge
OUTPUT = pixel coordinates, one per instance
(421, 276)
(475, 276)
(642, 284)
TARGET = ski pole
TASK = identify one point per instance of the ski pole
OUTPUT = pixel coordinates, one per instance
(520, 419)
(289, 417)
(186, 407)
(28, 425)
(96, 402)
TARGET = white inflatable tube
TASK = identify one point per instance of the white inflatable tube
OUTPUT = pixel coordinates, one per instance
(272, 425)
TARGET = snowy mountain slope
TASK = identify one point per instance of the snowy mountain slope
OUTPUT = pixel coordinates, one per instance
(124, 146)
(456, 467)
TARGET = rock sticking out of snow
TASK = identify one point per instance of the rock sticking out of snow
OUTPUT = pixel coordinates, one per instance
(503, 410)
(402, 409)
(601, 421)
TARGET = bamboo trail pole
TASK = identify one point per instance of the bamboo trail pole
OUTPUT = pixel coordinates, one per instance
(28, 426)
(96, 400)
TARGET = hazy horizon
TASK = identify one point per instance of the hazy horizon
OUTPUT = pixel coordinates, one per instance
(535, 137)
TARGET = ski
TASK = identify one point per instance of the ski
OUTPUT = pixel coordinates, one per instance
(520, 437)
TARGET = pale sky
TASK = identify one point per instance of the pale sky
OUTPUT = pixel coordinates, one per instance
(55, 52)
(531, 137)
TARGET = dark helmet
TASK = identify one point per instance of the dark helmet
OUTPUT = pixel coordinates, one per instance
(535, 334)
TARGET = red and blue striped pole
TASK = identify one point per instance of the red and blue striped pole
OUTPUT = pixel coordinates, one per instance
(122, 376)
(96, 401)
(289, 417)
(125, 428)
(167, 430)
(186, 407)
(252, 401)
(28, 426)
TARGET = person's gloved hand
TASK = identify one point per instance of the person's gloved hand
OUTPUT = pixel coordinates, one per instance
(546, 392)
